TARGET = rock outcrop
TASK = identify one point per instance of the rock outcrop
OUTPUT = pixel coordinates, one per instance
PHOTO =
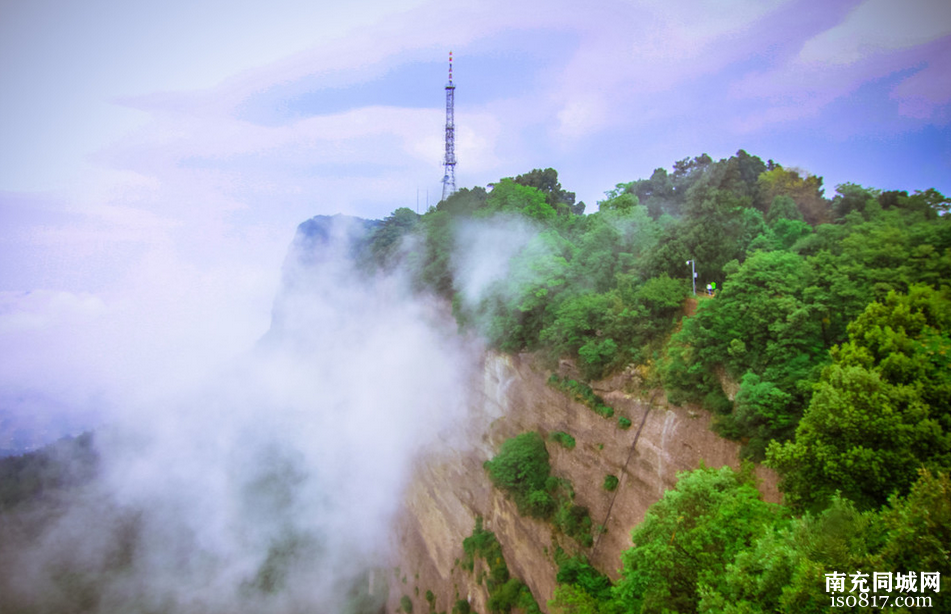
(450, 489)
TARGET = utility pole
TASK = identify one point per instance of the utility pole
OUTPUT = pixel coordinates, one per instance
(449, 178)
(693, 276)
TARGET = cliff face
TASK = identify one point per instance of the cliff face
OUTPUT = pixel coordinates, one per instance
(450, 490)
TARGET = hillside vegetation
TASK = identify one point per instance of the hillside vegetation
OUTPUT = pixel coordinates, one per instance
(825, 352)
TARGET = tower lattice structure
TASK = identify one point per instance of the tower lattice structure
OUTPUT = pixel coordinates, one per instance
(449, 178)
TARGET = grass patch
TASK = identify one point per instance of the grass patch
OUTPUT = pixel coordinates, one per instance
(610, 483)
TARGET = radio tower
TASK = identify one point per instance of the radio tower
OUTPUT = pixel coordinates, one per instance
(449, 179)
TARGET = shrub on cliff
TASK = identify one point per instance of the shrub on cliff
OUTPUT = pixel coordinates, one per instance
(521, 468)
(566, 440)
(583, 393)
(505, 592)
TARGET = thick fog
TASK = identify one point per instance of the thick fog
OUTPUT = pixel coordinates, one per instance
(485, 249)
(271, 486)
(502, 258)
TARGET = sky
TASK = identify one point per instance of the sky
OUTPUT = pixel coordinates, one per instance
(155, 158)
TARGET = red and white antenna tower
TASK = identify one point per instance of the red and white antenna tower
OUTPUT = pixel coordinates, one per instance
(449, 178)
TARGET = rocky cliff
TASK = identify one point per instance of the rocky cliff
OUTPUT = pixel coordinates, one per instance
(450, 489)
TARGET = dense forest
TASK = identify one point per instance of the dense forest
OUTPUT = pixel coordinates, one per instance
(824, 350)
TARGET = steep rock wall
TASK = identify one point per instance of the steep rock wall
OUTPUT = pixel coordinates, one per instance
(450, 489)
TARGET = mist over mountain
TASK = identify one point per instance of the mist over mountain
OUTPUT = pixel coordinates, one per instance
(271, 486)
(441, 393)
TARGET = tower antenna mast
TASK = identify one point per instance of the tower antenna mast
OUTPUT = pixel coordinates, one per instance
(449, 178)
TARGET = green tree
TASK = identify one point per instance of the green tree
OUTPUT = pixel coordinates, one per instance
(689, 171)
(656, 193)
(577, 319)
(464, 201)
(547, 182)
(805, 189)
(509, 196)
(430, 258)
(596, 355)
(662, 296)
(578, 572)
(598, 256)
(763, 331)
(763, 412)
(737, 175)
(717, 227)
(918, 528)
(622, 202)
(880, 411)
(569, 599)
(387, 238)
(786, 233)
(517, 308)
(783, 570)
(783, 208)
(852, 197)
(931, 203)
(688, 538)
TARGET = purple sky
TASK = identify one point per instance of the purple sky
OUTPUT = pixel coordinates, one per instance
(155, 161)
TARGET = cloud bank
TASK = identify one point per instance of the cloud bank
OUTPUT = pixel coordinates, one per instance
(269, 486)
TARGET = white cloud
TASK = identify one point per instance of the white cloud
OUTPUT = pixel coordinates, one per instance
(65, 62)
(298, 451)
(43, 309)
(876, 39)
(583, 116)
(878, 26)
(926, 94)
(630, 53)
